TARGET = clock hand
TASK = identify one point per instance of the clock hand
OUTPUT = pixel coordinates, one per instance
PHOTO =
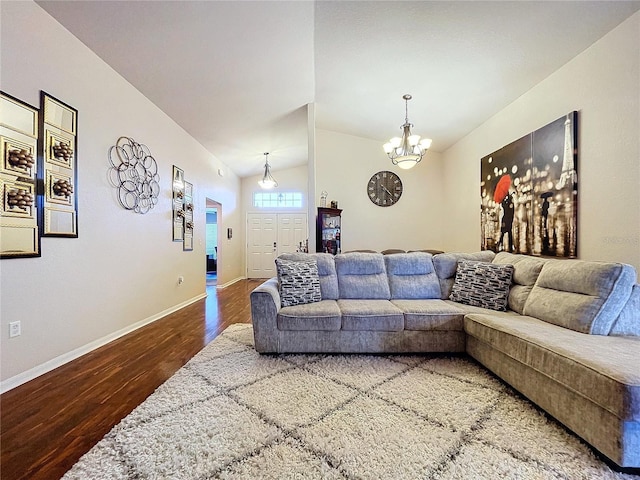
(387, 190)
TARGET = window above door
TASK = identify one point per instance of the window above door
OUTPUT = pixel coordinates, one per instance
(277, 199)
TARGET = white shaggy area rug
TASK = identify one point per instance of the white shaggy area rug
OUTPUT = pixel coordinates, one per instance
(231, 413)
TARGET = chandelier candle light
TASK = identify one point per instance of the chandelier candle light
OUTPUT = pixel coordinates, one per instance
(407, 151)
(267, 181)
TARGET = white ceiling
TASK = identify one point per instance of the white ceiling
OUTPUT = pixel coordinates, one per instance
(237, 75)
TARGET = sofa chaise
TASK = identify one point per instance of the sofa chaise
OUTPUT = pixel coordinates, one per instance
(568, 337)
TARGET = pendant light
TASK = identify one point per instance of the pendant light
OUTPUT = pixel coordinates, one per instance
(407, 151)
(267, 181)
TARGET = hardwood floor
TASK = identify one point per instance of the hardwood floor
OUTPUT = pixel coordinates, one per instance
(48, 423)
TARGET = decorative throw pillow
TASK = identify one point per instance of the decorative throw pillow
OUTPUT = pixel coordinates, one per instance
(298, 282)
(482, 284)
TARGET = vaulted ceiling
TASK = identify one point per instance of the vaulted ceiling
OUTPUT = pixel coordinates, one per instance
(237, 75)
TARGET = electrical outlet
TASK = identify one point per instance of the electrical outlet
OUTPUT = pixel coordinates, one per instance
(14, 329)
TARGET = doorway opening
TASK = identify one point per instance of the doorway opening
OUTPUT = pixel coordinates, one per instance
(214, 216)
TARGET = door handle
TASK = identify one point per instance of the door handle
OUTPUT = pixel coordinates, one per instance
(274, 246)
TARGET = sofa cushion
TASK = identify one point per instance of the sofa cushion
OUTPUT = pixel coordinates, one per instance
(432, 314)
(362, 275)
(525, 274)
(411, 275)
(602, 369)
(371, 315)
(326, 271)
(298, 282)
(432, 251)
(482, 284)
(583, 296)
(323, 315)
(445, 265)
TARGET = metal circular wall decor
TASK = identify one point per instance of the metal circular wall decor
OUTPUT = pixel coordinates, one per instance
(134, 172)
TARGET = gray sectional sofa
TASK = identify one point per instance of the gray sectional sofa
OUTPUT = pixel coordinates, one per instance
(569, 339)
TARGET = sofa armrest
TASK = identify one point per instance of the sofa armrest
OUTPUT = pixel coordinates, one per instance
(628, 322)
(265, 305)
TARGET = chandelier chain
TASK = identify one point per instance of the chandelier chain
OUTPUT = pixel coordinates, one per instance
(406, 108)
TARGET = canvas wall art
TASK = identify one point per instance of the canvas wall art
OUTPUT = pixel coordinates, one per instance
(529, 193)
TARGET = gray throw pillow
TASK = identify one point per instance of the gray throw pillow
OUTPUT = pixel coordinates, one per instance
(298, 282)
(482, 284)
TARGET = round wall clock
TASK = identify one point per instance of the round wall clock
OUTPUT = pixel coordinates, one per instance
(384, 188)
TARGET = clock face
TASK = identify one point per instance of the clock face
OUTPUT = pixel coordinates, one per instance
(384, 188)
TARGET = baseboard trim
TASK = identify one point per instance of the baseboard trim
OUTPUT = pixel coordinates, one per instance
(225, 285)
(60, 360)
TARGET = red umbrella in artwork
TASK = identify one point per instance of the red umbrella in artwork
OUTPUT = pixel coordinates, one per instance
(502, 188)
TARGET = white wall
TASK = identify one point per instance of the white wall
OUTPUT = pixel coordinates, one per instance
(123, 268)
(603, 84)
(344, 165)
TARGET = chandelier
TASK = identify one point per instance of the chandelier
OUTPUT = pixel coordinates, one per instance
(407, 151)
(267, 181)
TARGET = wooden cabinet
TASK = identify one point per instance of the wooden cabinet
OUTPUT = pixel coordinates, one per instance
(328, 230)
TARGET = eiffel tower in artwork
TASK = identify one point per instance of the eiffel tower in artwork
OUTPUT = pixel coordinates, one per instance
(569, 180)
(569, 176)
